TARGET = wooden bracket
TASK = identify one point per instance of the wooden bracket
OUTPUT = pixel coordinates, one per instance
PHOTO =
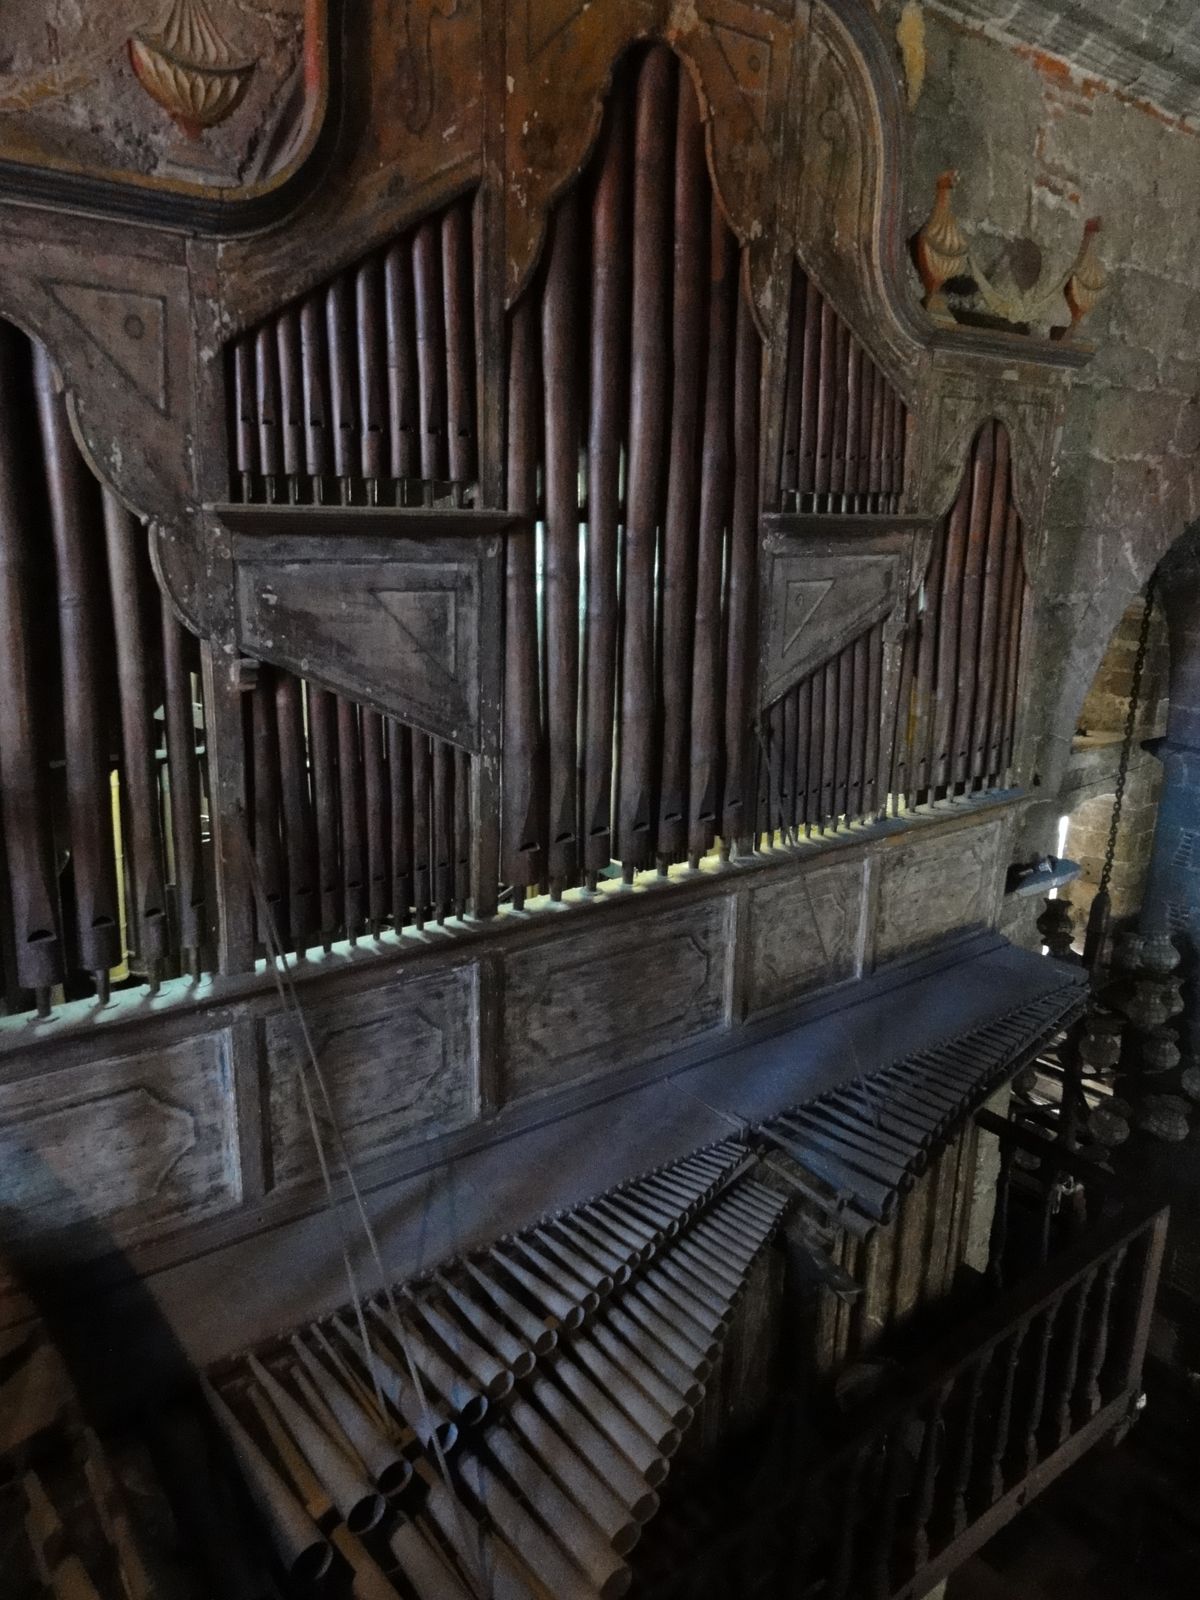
(824, 581)
(400, 609)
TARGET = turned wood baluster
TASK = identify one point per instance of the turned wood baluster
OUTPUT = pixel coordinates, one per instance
(1036, 1405)
(350, 807)
(743, 571)
(560, 570)
(849, 1508)
(74, 507)
(925, 1486)
(649, 327)
(1002, 1418)
(1091, 1387)
(372, 370)
(678, 596)
(303, 899)
(314, 373)
(704, 785)
(400, 755)
(403, 388)
(966, 1455)
(125, 541)
(609, 378)
(1062, 1419)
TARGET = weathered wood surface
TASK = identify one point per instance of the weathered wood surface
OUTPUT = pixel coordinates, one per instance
(804, 933)
(934, 886)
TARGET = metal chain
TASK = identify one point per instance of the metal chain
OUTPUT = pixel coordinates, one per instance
(1135, 690)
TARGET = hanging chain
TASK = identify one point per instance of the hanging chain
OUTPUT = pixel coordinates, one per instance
(1135, 690)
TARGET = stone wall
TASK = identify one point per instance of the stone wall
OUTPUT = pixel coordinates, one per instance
(1039, 148)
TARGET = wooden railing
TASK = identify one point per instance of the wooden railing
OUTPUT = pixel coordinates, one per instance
(921, 1474)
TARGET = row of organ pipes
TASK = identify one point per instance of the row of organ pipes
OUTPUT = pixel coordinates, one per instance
(629, 739)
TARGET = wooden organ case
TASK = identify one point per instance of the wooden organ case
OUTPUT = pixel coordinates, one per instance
(515, 634)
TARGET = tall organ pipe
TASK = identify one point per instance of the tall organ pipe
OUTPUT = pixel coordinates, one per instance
(144, 822)
(609, 380)
(74, 506)
(654, 106)
(24, 809)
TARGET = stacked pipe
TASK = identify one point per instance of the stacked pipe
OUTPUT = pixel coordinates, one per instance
(363, 393)
(818, 759)
(957, 711)
(633, 351)
(83, 702)
(844, 433)
(359, 822)
(508, 1421)
(858, 1148)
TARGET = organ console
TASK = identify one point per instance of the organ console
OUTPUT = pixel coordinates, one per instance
(517, 643)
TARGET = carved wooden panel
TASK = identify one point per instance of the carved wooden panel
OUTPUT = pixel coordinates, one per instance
(399, 1062)
(805, 932)
(932, 887)
(121, 1147)
(410, 625)
(604, 999)
(178, 99)
(820, 591)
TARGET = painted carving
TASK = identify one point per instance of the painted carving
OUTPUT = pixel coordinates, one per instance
(85, 89)
(941, 249)
(188, 65)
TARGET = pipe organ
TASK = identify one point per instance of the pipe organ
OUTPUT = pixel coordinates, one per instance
(516, 702)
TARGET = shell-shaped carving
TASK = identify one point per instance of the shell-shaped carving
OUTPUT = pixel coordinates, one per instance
(189, 67)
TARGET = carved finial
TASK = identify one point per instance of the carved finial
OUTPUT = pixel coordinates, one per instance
(189, 67)
(1087, 278)
(941, 249)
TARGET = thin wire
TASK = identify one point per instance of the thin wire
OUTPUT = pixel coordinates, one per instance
(287, 992)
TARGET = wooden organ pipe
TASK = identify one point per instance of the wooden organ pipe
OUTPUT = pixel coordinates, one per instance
(323, 750)
(74, 504)
(458, 300)
(267, 786)
(266, 390)
(738, 802)
(343, 418)
(314, 377)
(560, 351)
(180, 658)
(983, 760)
(705, 778)
(401, 354)
(677, 598)
(371, 364)
(299, 844)
(431, 351)
(376, 798)
(422, 800)
(400, 775)
(291, 399)
(353, 821)
(144, 839)
(608, 394)
(969, 656)
(523, 775)
(24, 809)
(649, 323)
